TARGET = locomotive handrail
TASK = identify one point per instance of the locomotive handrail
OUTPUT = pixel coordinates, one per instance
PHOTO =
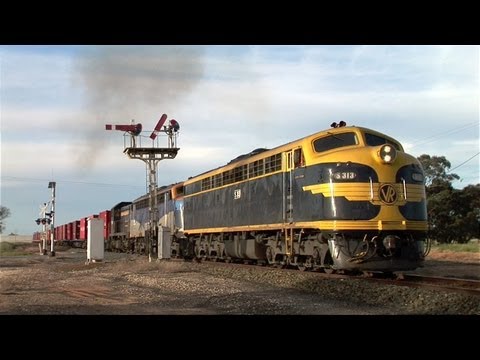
(371, 188)
(332, 191)
(404, 189)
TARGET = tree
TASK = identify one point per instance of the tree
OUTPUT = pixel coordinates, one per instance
(466, 213)
(4, 213)
(453, 215)
(436, 169)
(438, 211)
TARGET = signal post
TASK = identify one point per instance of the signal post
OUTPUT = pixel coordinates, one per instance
(52, 185)
(151, 156)
(48, 218)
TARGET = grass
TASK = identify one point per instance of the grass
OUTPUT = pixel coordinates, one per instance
(13, 249)
(469, 247)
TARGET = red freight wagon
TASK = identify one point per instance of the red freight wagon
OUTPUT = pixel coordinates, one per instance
(68, 235)
(64, 231)
(75, 230)
(83, 228)
(105, 215)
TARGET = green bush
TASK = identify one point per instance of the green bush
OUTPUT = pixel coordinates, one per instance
(469, 247)
(12, 249)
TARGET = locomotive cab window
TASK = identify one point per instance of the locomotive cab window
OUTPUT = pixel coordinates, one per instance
(298, 159)
(177, 191)
(334, 141)
(375, 140)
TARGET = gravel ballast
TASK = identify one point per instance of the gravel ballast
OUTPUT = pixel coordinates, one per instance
(129, 284)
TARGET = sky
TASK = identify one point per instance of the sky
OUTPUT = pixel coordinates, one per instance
(228, 100)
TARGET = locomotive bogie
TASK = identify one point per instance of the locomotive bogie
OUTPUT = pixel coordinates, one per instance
(238, 246)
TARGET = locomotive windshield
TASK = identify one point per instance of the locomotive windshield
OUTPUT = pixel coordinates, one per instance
(375, 140)
(334, 141)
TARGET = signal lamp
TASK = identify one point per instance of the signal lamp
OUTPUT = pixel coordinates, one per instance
(175, 125)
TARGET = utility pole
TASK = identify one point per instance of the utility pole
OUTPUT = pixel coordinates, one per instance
(52, 185)
(151, 155)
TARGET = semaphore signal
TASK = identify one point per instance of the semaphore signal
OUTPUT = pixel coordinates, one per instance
(151, 155)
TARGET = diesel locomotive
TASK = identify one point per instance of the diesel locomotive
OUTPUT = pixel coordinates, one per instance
(344, 199)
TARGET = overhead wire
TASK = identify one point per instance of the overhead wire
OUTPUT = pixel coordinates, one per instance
(65, 181)
(463, 163)
(457, 129)
(444, 133)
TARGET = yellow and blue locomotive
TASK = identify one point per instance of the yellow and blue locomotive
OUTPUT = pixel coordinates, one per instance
(347, 198)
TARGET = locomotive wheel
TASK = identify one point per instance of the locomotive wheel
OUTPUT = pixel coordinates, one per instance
(329, 270)
(302, 267)
(306, 265)
(270, 255)
(316, 257)
(198, 259)
(389, 275)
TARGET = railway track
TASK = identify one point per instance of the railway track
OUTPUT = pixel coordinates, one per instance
(449, 284)
(466, 286)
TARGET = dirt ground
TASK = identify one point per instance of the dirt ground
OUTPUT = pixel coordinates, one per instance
(465, 265)
(129, 284)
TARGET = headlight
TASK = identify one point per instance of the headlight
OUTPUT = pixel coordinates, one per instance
(417, 177)
(388, 153)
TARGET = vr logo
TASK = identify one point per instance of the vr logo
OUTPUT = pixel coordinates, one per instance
(387, 194)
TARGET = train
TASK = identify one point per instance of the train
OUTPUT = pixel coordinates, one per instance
(346, 199)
